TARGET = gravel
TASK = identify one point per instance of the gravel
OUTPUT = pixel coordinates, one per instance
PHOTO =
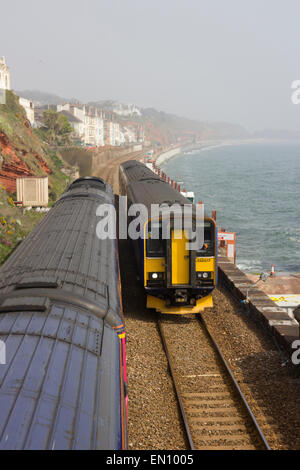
(154, 420)
(272, 389)
(208, 395)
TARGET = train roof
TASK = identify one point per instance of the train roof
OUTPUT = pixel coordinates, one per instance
(89, 182)
(60, 315)
(54, 387)
(64, 258)
(137, 171)
(150, 191)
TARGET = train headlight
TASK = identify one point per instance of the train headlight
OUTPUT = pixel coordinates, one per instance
(156, 276)
(203, 275)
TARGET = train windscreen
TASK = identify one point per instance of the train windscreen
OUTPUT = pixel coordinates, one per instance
(155, 245)
(208, 246)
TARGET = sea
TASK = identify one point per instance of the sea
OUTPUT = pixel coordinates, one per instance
(255, 189)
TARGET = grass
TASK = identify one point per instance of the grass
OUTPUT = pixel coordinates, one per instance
(14, 225)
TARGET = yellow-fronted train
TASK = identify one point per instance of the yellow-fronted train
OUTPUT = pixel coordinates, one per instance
(177, 279)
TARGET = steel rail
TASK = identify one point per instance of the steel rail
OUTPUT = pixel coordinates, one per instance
(236, 387)
(172, 370)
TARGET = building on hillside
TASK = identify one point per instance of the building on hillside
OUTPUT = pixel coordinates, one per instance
(29, 108)
(113, 131)
(4, 75)
(77, 124)
(110, 134)
(76, 117)
(129, 134)
(101, 131)
(39, 113)
(126, 109)
(122, 137)
(39, 116)
(94, 127)
(140, 134)
(117, 132)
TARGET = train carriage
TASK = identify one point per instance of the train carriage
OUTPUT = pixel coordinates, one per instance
(64, 382)
(177, 280)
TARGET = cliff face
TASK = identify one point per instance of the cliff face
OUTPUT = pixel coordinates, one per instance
(21, 152)
(164, 129)
(14, 166)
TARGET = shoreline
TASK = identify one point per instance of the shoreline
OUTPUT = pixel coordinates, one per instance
(212, 144)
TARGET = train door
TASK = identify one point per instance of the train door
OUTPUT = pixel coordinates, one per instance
(180, 258)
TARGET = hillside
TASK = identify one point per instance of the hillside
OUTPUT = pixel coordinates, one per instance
(171, 128)
(22, 153)
(161, 128)
(14, 225)
(41, 98)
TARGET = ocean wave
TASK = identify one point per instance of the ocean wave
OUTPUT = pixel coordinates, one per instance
(250, 265)
(262, 210)
(294, 239)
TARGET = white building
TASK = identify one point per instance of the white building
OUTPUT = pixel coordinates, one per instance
(126, 109)
(4, 75)
(122, 137)
(76, 117)
(87, 122)
(94, 128)
(29, 108)
(117, 132)
(129, 134)
(109, 133)
(77, 125)
(113, 134)
(101, 131)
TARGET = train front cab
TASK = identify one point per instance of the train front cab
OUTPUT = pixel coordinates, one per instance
(178, 280)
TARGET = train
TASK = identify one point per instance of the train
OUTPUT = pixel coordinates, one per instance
(64, 384)
(177, 280)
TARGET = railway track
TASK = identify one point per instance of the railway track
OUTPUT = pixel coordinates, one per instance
(109, 171)
(215, 413)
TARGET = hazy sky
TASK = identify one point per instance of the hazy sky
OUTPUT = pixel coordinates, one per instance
(221, 60)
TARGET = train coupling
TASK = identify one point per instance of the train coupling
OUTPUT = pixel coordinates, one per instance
(180, 296)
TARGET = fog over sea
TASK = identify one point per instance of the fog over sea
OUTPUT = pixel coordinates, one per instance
(255, 189)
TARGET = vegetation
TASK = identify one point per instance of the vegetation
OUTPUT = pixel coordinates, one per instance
(78, 157)
(16, 128)
(57, 129)
(14, 225)
(25, 148)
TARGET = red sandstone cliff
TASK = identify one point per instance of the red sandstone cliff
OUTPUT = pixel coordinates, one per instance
(13, 166)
